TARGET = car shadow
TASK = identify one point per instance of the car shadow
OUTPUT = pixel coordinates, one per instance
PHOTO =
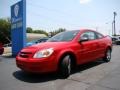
(39, 78)
(86, 66)
(35, 78)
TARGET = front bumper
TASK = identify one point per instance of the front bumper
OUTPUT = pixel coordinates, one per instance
(42, 65)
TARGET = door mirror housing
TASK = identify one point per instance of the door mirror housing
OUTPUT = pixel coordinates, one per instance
(83, 39)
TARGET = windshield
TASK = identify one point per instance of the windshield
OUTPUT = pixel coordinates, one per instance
(64, 36)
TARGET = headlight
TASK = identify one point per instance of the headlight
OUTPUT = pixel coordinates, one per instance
(43, 53)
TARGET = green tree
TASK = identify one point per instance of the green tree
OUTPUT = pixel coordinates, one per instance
(5, 27)
(29, 30)
(57, 31)
(40, 32)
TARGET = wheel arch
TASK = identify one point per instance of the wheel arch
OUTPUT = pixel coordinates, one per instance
(72, 55)
(109, 47)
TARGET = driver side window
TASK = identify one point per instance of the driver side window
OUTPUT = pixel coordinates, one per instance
(90, 35)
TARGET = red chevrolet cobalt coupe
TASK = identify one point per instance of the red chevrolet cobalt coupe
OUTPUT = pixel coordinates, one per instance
(64, 51)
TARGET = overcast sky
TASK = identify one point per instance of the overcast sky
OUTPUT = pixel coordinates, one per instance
(70, 14)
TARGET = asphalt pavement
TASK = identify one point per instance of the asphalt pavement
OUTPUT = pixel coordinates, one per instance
(92, 76)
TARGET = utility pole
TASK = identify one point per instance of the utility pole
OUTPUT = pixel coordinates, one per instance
(114, 28)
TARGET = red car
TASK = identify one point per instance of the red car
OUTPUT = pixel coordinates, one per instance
(64, 51)
(1, 49)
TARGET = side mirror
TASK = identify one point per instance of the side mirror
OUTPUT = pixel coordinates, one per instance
(83, 39)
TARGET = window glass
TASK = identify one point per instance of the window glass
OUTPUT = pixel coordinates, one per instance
(89, 35)
(64, 36)
(92, 35)
(99, 35)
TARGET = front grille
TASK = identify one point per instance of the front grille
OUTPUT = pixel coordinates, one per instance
(25, 54)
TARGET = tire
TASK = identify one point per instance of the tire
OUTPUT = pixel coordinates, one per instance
(107, 57)
(65, 66)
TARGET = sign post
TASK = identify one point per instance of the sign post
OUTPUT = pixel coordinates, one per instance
(18, 26)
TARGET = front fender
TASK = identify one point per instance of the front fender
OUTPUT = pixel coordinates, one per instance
(62, 53)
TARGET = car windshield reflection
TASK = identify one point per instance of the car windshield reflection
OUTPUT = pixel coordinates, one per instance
(64, 36)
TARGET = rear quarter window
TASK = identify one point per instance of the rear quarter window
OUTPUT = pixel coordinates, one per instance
(99, 36)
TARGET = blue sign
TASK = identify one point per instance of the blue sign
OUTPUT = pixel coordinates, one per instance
(18, 26)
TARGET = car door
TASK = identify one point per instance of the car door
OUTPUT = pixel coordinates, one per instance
(101, 45)
(87, 48)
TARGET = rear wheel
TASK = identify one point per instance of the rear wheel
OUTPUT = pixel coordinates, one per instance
(65, 66)
(107, 57)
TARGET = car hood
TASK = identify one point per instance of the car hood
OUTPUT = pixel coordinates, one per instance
(45, 45)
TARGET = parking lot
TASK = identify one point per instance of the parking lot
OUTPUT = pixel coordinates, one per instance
(92, 76)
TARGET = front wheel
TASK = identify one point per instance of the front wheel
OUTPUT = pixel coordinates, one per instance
(65, 66)
(107, 57)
